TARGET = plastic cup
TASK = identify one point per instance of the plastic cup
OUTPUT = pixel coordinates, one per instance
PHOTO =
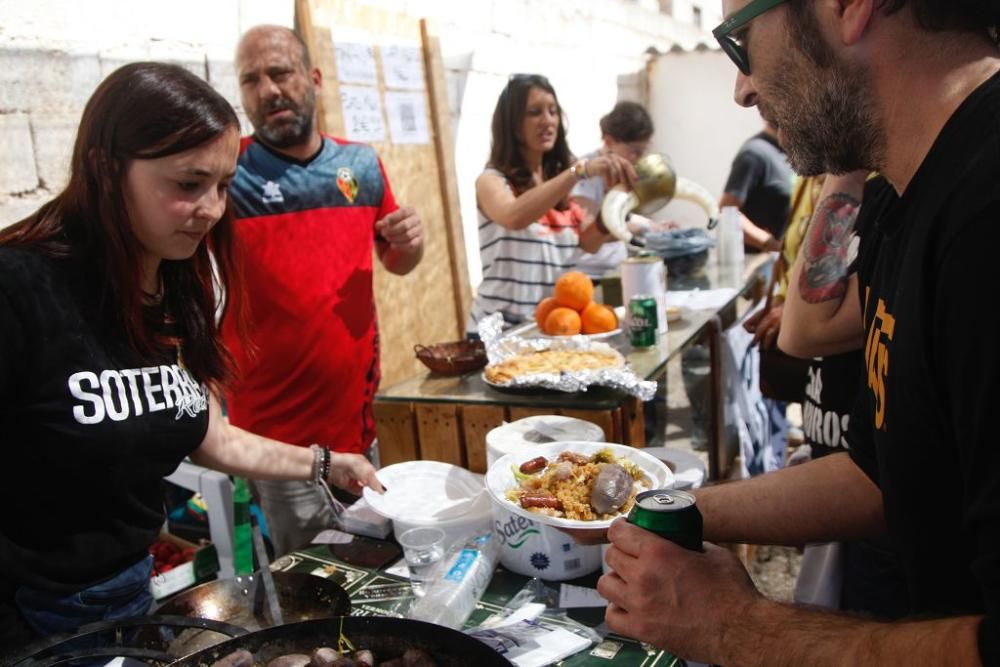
(423, 548)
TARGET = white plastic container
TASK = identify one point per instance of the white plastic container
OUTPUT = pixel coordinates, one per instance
(530, 431)
(465, 574)
(536, 550)
(528, 547)
(432, 493)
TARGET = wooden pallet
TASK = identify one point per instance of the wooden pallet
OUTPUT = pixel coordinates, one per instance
(456, 433)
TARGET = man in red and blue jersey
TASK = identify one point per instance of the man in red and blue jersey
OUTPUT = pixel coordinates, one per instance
(311, 209)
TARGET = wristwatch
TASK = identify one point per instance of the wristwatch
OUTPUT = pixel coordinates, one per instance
(580, 170)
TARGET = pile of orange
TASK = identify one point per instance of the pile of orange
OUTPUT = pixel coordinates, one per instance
(571, 308)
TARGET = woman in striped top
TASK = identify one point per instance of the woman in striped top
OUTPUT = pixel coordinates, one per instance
(530, 231)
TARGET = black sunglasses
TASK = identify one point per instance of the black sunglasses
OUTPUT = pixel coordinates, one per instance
(732, 43)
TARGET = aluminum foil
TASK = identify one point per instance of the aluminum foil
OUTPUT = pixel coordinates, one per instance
(500, 348)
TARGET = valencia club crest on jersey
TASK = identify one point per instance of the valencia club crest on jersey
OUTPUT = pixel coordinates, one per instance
(347, 183)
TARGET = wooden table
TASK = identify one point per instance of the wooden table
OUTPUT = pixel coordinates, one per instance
(447, 418)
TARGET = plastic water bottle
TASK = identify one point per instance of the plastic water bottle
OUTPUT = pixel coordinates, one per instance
(242, 530)
(465, 573)
(730, 246)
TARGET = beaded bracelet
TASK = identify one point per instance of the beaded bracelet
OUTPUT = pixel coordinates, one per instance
(321, 463)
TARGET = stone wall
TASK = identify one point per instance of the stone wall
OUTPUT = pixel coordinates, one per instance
(53, 53)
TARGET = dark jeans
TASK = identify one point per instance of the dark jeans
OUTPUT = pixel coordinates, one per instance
(14, 630)
(49, 613)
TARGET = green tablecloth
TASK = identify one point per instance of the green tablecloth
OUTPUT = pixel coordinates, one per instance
(360, 568)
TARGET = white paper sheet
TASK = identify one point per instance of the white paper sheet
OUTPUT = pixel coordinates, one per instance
(333, 536)
(362, 114)
(571, 597)
(698, 299)
(407, 118)
(403, 66)
(356, 63)
(527, 644)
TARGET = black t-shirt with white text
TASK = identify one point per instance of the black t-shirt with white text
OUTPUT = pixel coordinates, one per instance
(831, 391)
(925, 426)
(89, 429)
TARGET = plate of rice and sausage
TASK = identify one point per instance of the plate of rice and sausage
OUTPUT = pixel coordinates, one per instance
(574, 484)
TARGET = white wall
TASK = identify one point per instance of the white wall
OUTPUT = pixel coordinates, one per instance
(54, 52)
(691, 99)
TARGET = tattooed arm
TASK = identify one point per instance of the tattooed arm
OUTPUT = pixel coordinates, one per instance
(822, 312)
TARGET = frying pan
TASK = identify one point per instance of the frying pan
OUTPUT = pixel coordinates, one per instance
(118, 641)
(198, 618)
(385, 637)
(301, 597)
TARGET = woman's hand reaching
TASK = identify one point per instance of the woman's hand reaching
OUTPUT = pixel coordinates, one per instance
(353, 472)
(613, 168)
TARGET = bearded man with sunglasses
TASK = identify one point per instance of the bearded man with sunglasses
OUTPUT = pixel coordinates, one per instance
(909, 88)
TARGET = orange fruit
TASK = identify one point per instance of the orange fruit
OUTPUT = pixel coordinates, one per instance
(574, 290)
(543, 309)
(562, 322)
(597, 318)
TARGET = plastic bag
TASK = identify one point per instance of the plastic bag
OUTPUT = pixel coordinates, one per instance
(538, 602)
(678, 242)
(520, 631)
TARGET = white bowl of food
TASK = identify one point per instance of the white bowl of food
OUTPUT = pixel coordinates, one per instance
(574, 484)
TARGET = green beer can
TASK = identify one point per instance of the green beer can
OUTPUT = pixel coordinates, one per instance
(642, 320)
(671, 515)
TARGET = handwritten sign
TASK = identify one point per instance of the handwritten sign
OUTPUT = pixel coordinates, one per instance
(362, 114)
(403, 67)
(356, 63)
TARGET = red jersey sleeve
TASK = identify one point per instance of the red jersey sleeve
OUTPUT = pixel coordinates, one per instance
(388, 199)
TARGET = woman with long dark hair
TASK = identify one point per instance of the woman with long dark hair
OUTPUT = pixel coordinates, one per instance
(530, 231)
(110, 356)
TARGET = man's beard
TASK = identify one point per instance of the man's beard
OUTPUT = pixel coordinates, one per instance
(293, 132)
(824, 108)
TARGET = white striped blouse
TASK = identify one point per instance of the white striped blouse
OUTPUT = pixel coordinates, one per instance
(521, 266)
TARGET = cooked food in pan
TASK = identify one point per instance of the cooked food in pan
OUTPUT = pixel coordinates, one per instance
(331, 657)
(552, 361)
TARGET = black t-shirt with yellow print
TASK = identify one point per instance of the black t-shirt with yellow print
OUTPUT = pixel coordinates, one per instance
(925, 426)
(88, 429)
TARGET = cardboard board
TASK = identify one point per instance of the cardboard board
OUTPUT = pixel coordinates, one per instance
(383, 70)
